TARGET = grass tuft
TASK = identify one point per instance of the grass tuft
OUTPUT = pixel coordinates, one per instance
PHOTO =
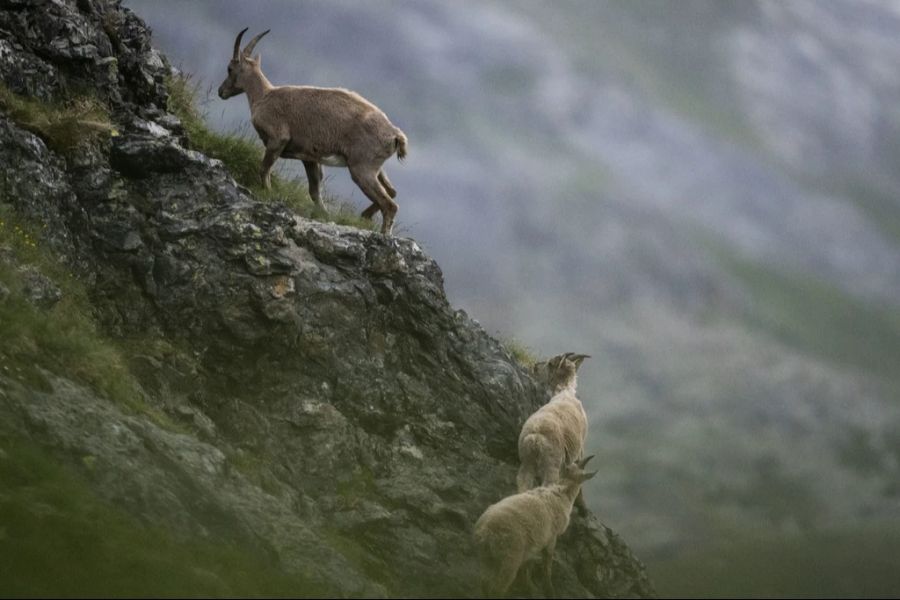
(63, 338)
(523, 354)
(63, 126)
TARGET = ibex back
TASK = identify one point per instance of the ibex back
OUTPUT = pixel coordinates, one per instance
(319, 126)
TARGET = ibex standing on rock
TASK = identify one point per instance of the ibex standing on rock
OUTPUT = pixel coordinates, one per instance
(509, 532)
(556, 430)
(320, 126)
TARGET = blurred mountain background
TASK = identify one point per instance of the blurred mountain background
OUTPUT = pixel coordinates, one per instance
(703, 195)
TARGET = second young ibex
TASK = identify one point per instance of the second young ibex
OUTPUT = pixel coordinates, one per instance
(509, 532)
(319, 126)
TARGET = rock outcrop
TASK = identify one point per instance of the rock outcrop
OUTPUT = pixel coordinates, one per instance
(334, 413)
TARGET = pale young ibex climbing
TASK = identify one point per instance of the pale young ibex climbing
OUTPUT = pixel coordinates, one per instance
(320, 126)
(511, 531)
(556, 430)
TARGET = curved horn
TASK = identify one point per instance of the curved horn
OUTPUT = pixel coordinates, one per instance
(237, 43)
(584, 461)
(578, 359)
(249, 49)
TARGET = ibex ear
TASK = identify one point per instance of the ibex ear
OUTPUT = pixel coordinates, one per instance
(258, 60)
(585, 476)
(541, 371)
(555, 363)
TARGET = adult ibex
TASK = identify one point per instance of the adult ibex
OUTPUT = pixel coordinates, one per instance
(320, 126)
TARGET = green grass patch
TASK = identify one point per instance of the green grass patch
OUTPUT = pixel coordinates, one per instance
(61, 338)
(356, 486)
(57, 539)
(357, 548)
(63, 126)
(255, 468)
(242, 155)
(860, 563)
(822, 320)
(364, 557)
(523, 354)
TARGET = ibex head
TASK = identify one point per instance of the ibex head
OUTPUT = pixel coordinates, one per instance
(574, 471)
(241, 67)
(559, 371)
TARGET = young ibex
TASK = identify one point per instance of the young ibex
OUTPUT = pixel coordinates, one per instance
(511, 531)
(557, 429)
(320, 126)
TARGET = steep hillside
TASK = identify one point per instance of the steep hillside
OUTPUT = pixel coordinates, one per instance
(202, 393)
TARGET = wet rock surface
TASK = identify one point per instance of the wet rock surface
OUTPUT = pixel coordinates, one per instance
(335, 413)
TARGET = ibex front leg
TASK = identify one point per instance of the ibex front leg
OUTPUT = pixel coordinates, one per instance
(547, 556)
(274, 148)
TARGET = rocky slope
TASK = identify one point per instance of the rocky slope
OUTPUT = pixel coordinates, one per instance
(304, 391)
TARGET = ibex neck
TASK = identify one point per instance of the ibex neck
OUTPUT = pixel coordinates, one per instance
(569, 386)
(256, 87)
(567, 491)
(570, 490)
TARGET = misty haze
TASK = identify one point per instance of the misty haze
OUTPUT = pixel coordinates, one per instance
(702, 196)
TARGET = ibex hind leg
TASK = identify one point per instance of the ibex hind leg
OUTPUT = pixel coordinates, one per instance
(373, 208)
(497, 583)
(369, 212)
(547, 560)
(367, 180)
(382, 177)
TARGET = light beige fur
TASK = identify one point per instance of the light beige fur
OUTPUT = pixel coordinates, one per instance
(556, 430)
(518, 527)
(330, 126)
